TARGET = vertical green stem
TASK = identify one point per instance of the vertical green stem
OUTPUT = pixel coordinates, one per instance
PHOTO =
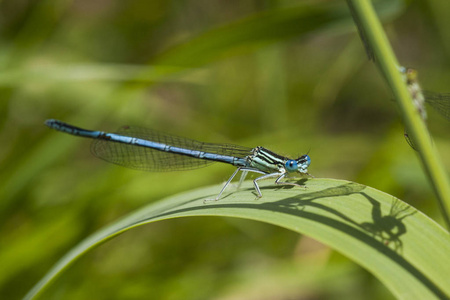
(375, 36)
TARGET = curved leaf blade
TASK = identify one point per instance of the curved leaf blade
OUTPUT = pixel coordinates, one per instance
(401, 246)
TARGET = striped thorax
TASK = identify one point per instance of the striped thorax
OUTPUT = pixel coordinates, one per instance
(269, 162)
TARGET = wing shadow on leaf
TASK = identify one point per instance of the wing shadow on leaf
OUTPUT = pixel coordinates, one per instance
(387, 228)
(305, 206)
(382, 230)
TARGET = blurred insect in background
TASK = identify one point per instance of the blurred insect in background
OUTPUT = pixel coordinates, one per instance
(439, 101)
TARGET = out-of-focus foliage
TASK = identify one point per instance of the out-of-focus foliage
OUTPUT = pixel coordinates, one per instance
(102, 64)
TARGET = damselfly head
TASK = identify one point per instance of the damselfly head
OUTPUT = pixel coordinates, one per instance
(300, 164)
(411, 75)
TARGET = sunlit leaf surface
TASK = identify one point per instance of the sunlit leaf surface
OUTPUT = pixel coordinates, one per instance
(406, 250)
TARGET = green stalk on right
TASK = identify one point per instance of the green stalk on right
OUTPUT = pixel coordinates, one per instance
(380, 50)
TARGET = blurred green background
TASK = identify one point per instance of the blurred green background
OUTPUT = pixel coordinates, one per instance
(288, 75)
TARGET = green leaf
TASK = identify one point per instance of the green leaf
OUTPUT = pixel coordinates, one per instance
(401, 246)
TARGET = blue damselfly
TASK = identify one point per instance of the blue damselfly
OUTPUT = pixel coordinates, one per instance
(151, 150)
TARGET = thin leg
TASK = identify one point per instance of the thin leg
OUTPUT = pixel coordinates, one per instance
(241, 180)
(225, 186)
(255, 182)
(286, 183)
(244, 171)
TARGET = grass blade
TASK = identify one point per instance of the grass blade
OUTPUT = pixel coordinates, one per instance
(401, 246)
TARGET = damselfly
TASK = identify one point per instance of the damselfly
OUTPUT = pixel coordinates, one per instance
(439, 101)
(150, 150)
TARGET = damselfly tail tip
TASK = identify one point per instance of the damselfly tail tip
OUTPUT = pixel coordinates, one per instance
(49, 122)
(52, 123)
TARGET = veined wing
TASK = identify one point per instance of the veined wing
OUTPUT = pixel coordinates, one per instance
(148, 159)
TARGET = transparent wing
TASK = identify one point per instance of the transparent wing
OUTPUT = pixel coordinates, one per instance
(148, 159)
(439, 101)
